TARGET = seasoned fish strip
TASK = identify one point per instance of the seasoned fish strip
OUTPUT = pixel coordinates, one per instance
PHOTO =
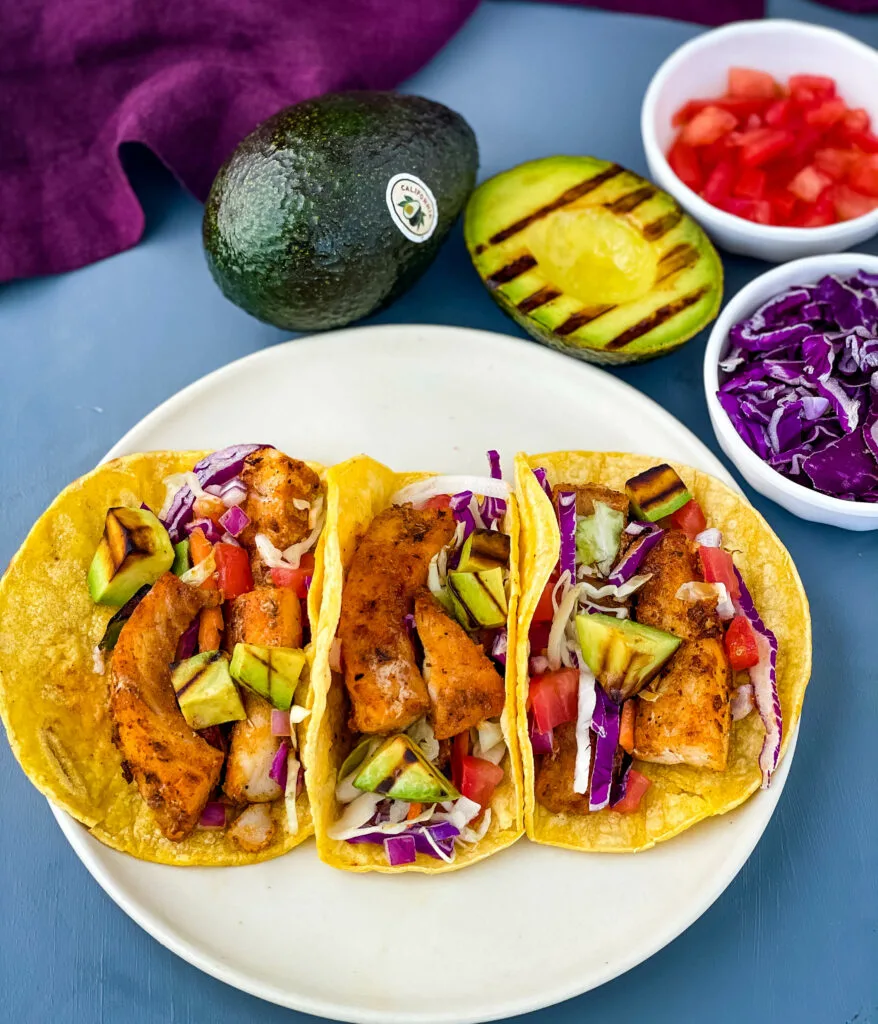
(175, 769)
(464, 686)
(691, 720)
(268, 616)
(388, 569)
(588, 494)
(554, 780)
(673, 562)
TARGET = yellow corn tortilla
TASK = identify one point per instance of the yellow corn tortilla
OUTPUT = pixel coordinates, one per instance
(680, 796)
(357, 490)
(54, 703)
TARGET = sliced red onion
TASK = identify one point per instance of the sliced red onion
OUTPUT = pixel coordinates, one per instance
(492, 511)
(188, 642)
(400, 850)
(538, 664)
(233, 493)
(234, 520)
(646, 535)
(606, 724)
(567, 526)
(585, 711)
(543, 481)
(710, 538)
(494, 464)
(500, 645)
(763, 676)
(213, 815)
(422, 490)
(460, 508)
(278, 770)
(541, 742)
(280, 723)
(742, 702)
(227, 538)
(208, 527)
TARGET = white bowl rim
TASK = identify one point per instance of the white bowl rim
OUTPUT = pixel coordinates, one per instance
(743, 304)
(700, 208)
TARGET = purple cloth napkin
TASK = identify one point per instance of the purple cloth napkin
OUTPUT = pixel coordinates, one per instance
(188, 79)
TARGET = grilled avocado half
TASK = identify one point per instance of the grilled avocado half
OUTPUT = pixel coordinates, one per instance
(592, 259)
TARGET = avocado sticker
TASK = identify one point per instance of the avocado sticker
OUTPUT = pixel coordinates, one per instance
(412, 207)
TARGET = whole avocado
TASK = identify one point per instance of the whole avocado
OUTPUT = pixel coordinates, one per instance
(320, 216)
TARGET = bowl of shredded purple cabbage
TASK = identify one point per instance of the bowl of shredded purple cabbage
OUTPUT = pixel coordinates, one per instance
(791, 374)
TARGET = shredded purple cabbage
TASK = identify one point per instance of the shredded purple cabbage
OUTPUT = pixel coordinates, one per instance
(800, 385)
(646, 539)
(543, 481)
(606, 722)
(567, 526)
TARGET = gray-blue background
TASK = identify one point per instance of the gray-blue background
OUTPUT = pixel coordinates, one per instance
(84, 356)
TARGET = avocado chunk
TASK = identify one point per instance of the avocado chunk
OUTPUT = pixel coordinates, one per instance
(332, 208)
(114, 626)
(134, 551)
(181, 558)
(598, 536)
(656, 493)
(205, 690)
(623, 655)
(479, 598)
(272, 672)
(400, 771)
(592, 259)
(484, 549)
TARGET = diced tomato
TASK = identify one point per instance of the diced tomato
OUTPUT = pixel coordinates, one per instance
(233, 570)
(210, 629)
(740, 642)
(771, 142)
(866, 141)
(538, 636)
(752, 84)
(545, 612)
(751, 184)
(820, 214)
(850, 204)
(637, 785)
(809, 183)
(295, 579)
(807, 141)
(757, 210)
(863, 176)
(459, 750)
(753, 121)
(479, 778)
(740, 107)
(626, 727)
(707, 126)
(718, 186)
(818, 85)
(685, 113)
(782, 204)
(440, 501)
(835, 162)
(554, 698)
(690, 519)
(780, 114)
(718, 567)
(828, 113)
(856, 120)
(686, 165)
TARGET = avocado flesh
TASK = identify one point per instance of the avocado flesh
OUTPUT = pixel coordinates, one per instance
(114, 626)
(181, 558)
(592, 259)
(297, 229)
(272, 672)
(133, 552)
(657, 492)
(205, 690)
(623, 655)
(482, 595)
(400, 771)
(484, 549)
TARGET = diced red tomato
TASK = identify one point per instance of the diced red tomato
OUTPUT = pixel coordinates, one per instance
(626, 727)
(718, 567)
(440, 501)
(538, 636)
(751, 184)
(233, 570)
(545, 612)
(752, 84)
(707, 126)
(771, 142)
(828, 113)
(295, 579)
(782, 204)
(740, 643)
(690, 519)
(686, 165)
(757, 210)
(818, 85)
(459, 750)
(849, 204)
(637, 785)
(554, 698)
(809, 183)
(866, 141)
(780, 114)
(820, 214)
(835, 162)
(863, 175)
(856, 120)
(479, 778)
(718, 186)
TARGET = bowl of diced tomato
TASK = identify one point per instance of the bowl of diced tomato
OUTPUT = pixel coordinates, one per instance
(766, 132)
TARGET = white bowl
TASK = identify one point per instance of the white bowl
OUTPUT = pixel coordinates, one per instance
(699, 69)
(801, 501)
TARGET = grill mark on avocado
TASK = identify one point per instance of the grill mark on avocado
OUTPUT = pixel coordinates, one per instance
(656, 319)
(675, 260)
(198, 675)
(631, 200)
(570, 196)
(580, 319)
(539, 298)
(512, 270)
(657, 229)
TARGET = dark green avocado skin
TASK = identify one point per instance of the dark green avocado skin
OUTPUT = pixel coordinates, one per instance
(296, 228)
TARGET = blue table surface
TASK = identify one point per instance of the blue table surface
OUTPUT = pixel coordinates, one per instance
(87, 354)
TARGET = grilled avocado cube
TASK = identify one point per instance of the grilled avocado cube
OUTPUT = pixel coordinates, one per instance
(656, 493)
(205, 690)
(134, 551)
(482, 596)
(400, 771)
(272, 672)
(484, 549)
(623, 655)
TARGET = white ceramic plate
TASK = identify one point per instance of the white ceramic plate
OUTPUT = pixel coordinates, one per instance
(530, 926)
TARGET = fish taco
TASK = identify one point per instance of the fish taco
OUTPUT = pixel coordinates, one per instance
(414, 757)
(663, 649)
(156, 651)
